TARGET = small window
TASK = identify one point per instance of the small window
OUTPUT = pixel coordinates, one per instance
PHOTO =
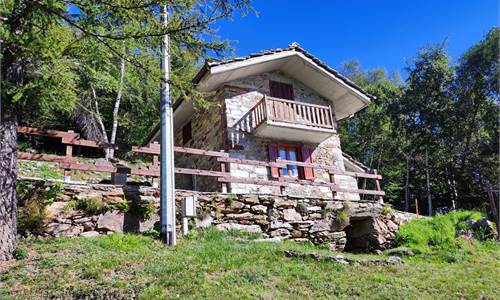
(281, 90)
(288, 153)
(187, 134)
(291, 153)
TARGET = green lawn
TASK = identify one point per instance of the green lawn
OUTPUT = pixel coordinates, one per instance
(217, 265)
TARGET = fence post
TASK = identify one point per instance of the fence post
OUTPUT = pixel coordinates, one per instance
(224, 185)
(69, 158)
(332, 180)
(377, 187)
(155, 164)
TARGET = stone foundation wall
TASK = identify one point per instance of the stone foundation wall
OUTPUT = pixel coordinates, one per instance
(285, 217)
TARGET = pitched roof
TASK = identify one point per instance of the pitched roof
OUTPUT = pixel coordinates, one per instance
(209, 63)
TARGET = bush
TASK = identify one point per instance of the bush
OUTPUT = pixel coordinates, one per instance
(437, 233)
(33, 198)
(91, 205)
(20, 253)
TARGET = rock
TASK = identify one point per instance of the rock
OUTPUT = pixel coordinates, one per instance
(340, 259)
(391, 226)
(394, 260)
(237, 205)
(322, 225)
(204, 221)
(252, 199)
(275, 239)
(111, 221)
(89, 233)
(58, 230)
(338, 235)
(291, 215)
(278, 224)
(236, 226)
(56, 209)
(280, 232)
(280, 203)
(88, 226)
(243, 216)
(259, 209)
(82, 220)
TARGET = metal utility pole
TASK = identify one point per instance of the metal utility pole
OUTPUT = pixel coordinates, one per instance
(167, 192)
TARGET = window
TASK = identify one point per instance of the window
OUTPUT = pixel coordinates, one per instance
(187, 134)
(281, 90)
(293, 153)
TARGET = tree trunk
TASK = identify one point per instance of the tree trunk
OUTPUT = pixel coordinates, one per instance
(407, 185)
(8, 176)
(117, 107)
(99, 119)
(429, 196)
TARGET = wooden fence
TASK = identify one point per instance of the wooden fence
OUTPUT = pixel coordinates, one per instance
(71, 139)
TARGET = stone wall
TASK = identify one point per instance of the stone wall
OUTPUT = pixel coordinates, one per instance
(239, 97)
(206, 134)
(283, 217)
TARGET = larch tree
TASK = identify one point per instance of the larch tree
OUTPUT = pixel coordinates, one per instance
(36, 34)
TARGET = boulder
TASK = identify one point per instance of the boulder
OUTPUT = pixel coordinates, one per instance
(322, 225)
(236, 226)
(89, 233)
(204, 221)
(111, 221)
(291, 215)
(259, 209)
(58, 230)
(278, 224)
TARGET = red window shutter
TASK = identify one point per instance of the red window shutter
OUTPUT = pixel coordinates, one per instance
(273, 154)
(306, 157)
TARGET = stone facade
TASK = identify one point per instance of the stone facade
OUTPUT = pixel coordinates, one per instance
(206, 129)
(226, 126)
(274, 216)
(239, 98)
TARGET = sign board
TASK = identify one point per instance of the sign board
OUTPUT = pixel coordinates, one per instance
(189, 207)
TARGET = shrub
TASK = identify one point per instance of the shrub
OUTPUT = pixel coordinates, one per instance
(91, 205)
(435, 234)
(386, 210)
(20, 253)
(33, 198)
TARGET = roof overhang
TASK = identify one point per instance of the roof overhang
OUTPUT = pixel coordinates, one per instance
(346, 97)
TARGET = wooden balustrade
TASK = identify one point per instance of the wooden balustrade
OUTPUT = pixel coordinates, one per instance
(288, 111)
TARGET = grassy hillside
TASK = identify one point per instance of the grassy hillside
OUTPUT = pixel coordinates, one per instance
(215, 265)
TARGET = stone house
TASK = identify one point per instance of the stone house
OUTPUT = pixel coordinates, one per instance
(276, 104)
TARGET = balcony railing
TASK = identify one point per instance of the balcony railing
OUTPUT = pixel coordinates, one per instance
(293, 112)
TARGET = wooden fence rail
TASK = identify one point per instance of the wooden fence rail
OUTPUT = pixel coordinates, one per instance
(71, 139)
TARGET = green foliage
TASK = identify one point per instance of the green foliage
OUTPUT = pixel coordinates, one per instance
(144, 211)
(341, 216)
(33, 199)
(447, 113)
(386, 210)
(91, 205)
(437, 234)
(20, 253)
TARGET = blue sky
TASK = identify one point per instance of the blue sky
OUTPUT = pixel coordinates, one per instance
(383, 33)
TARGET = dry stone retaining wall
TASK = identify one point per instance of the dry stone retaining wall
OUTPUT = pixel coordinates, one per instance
(274, 216)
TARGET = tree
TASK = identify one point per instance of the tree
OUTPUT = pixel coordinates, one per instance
(32, 43)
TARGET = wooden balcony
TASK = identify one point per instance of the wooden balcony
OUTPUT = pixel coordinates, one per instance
(289, 120)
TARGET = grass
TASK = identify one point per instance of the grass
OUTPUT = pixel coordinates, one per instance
(440, 235)
(226, 265)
